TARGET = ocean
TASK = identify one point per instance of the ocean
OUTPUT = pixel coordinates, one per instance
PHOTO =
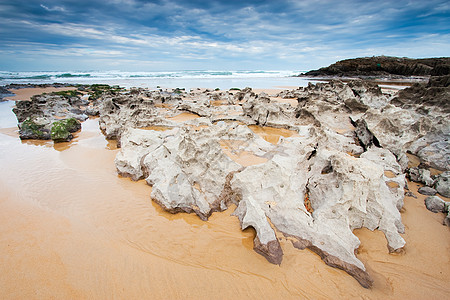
(167, 79)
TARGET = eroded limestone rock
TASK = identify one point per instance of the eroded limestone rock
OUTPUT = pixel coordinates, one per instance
(190, 172)
(345, 193)
(186, 166)
(343, 170)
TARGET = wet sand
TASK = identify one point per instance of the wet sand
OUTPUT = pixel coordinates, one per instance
(70, 227)
(26, 93)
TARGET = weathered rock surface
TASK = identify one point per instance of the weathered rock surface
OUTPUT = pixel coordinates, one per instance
(343, 170)
(426, 190)
(421, 175)
(426, 97)
(385, 66)
(186, 166)
(141, 108)
(435, 204)
(4, 93)
(409, 130)
(265, 112)
(51, 107)
(189, 172)
(50, 116)
(352, 194)
(57, 115)
(443, 184)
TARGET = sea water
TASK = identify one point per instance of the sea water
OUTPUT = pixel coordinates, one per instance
(167, 79)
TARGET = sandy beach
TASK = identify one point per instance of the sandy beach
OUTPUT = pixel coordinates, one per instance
(26, 93)
(72, 228)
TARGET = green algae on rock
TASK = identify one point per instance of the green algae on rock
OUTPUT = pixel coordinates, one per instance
(31, 129)
(62, 130)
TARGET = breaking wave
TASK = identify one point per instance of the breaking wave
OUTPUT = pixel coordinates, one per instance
(4, 75)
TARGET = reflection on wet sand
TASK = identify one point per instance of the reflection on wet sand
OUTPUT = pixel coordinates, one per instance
(70, 227)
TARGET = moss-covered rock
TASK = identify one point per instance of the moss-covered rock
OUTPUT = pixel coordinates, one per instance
(97, 90)
(61, 130)
(67, 94)
(29, 129)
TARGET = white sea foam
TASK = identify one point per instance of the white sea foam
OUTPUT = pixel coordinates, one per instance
(186, 79)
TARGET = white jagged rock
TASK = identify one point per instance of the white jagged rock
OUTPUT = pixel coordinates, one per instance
(186, 167)
(343, 171)
(345, 193)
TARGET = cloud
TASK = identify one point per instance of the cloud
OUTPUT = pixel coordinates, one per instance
(220, 34)
(54, 8)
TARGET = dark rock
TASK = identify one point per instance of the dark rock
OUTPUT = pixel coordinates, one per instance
(426, 96)
(4, 93)
(425, 190)
(366, 138)
(48, 106)
(447, 220)
(413, 174)
(437, 153)
(435, 204)
(385, 66)
(61, 130)
(272, 251)
(30, 129)
(420, 175)
(443, 184)
(410, 194)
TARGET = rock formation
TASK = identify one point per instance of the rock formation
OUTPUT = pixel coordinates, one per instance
(50, 116)
(379, 66)
(437, 205)
(344, 168)
(57, 115)
(348, 182)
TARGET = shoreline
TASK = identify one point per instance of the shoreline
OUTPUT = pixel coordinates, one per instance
(25, 91)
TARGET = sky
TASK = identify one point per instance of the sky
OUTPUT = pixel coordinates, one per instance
(163, 35)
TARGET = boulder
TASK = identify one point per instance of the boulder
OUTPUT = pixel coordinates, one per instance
(51, 116)
(447, 220)
(435, 204)
(426, 190)
(62, 130)
(37, 129)
(186, 167)
(443, 184)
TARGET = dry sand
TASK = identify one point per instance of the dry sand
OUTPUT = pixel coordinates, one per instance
(26, 93)
(71, 228)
